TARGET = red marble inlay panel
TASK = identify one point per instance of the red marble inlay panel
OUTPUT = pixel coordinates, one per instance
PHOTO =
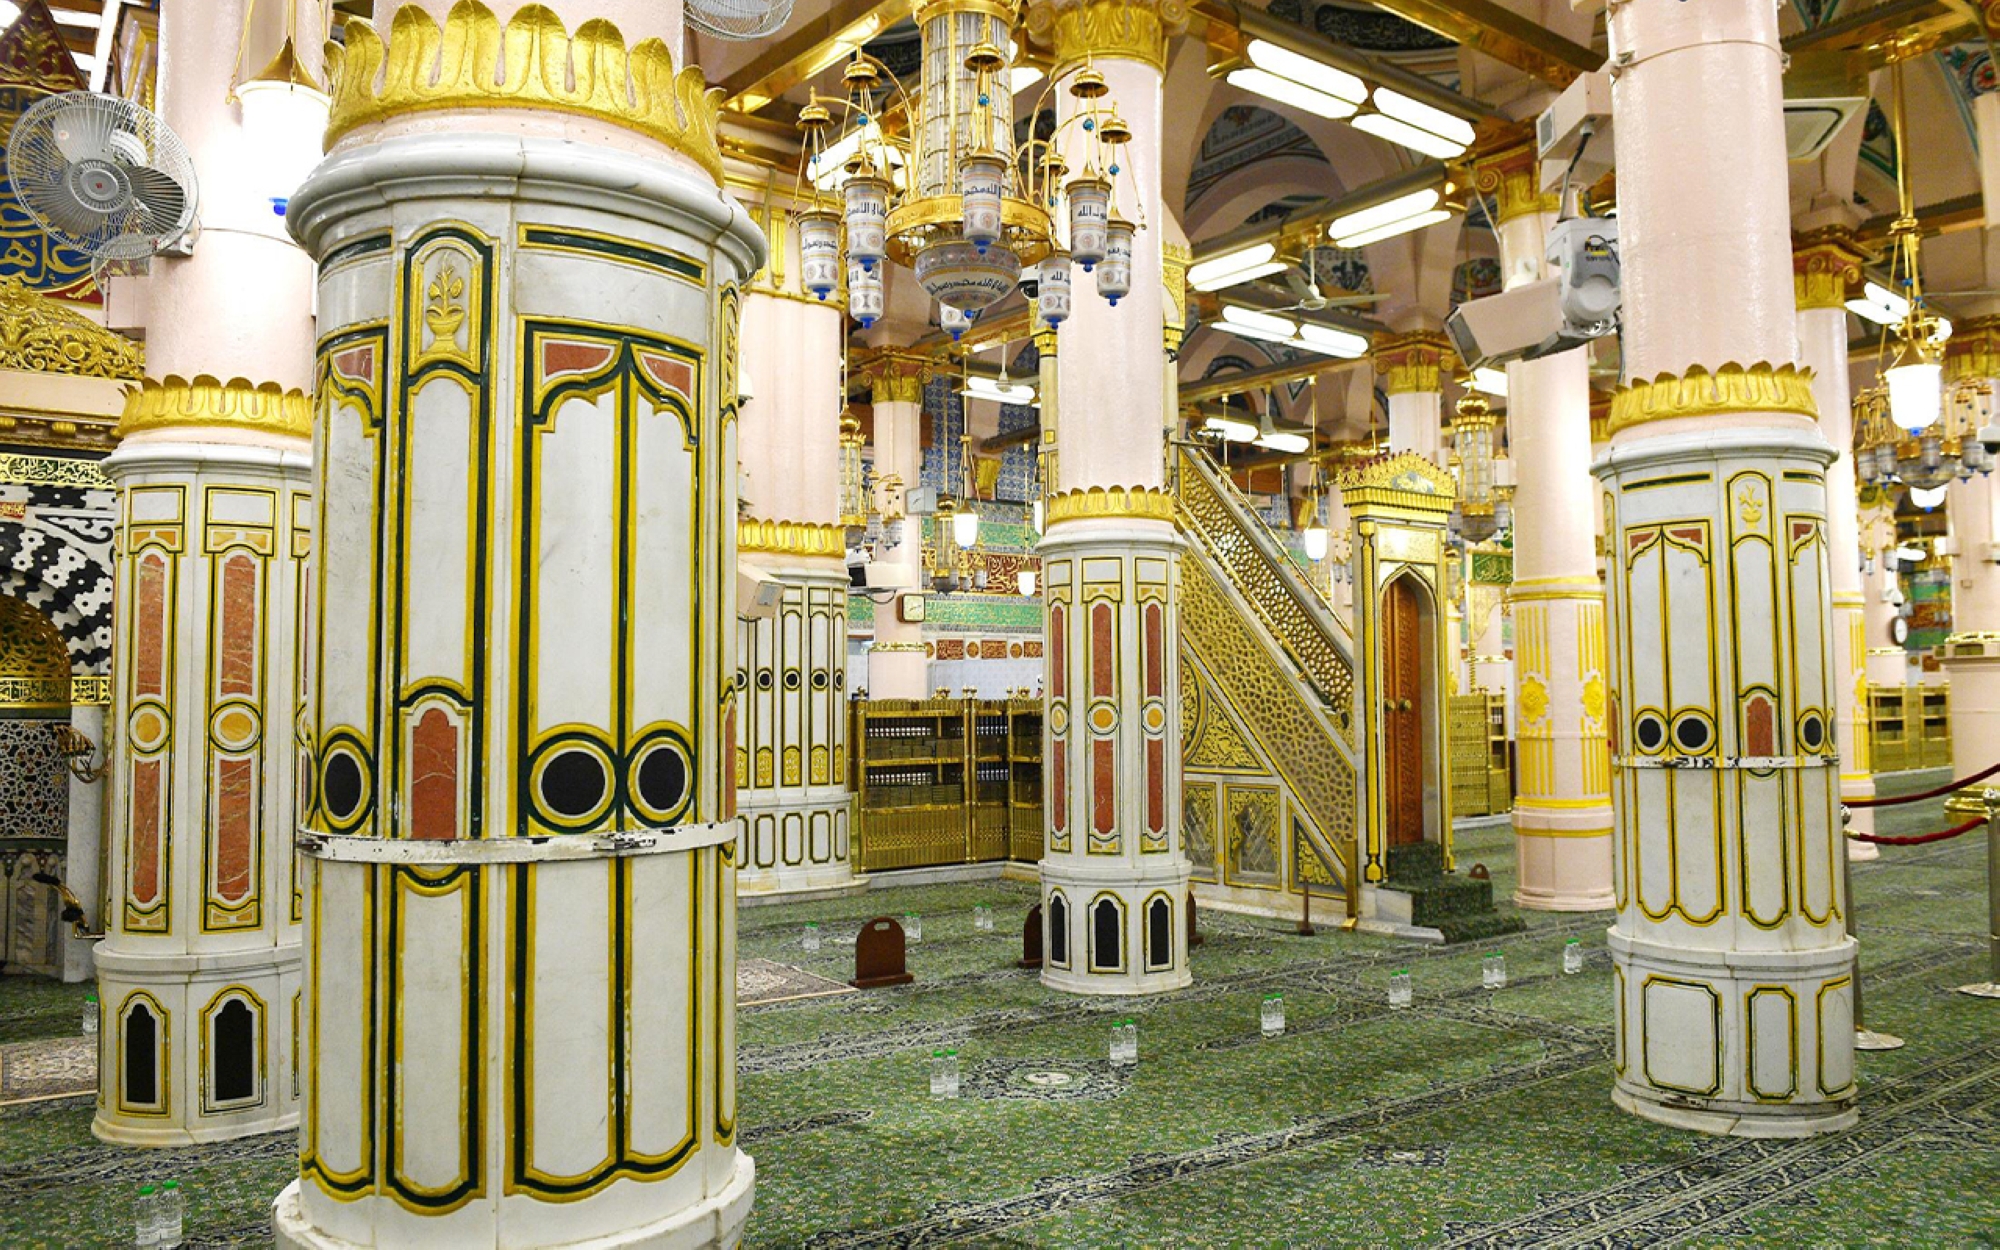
(729, 774)
(147, 776)
(237, 629)
(1155, 654)
(434, 777)
(357, 363)
(675, 375)
(1156, 785)
(1058, 653)
(1103, 785)
(149, 625)
(1102, 657)
(1059, 768)
(1760, 727)
(561, 356)
(235, 826)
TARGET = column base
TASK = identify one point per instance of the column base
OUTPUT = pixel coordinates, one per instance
(796, 846)
(1132, 891)
(715, 1222)
(1734, 1120)
(1563, 869)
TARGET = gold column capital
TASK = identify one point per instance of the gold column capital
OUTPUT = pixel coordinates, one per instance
(1512, 176)
(1175, 258)
(1974, 350)
(1729, 391)
(1410, 362)
(176, 402)
(897, 379)
(1106, 30)
(1826, 265)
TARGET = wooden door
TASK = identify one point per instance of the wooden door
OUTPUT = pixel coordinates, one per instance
(1402, 712)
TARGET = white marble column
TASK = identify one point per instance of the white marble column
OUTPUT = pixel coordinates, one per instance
(1735, 972)
(198, 973)
(897, 665)
(522, 887)
(1409, 368)
(1114, 875)
(1971, 654)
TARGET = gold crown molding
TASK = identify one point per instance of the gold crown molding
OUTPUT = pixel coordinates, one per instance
(790, 538)
(1512, 176)
(1974, 350)
(39, 335)
(1123, 502)
(174, 402)
(1826, 264)
(1732, 389)
(1402, 481)
(1105, 30)
(1410, 362)
(542, 66)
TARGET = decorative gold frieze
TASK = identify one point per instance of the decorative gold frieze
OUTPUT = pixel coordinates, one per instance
(1512, 176)
(1410, 362)
(895, 646)
(1826, 265)
(90, 691)
(1126, 30)
(175, 401)
(17, 470)
(540, 66)
(40, 335)
(34, 663)
(1974, 350)
(1732, 389)
(898, 379)
(1403, 483)
(790, 538)
(1124, 502)
(1175, 258)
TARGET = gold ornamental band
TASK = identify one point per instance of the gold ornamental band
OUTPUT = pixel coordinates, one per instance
(1125, 502)
(1825, 264)
(1410, 363)
(1732, 389)
(1101, 30)
(175, 401)
(790, 538)
(542, 66)
(1512, 176)
(43, 336)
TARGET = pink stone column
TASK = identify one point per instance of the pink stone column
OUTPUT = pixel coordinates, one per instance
(1971, 655)
(897, 666)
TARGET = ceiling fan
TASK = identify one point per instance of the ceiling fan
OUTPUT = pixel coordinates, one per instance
(1304, 287)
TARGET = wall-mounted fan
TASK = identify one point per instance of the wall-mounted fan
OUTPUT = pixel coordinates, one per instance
(104, 176)
(738, 19)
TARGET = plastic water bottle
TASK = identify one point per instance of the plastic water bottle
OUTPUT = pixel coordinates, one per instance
(1130, 1048)
(1493, 971)
(913, 927)
(89, 1016)
(811, 941)
(1400, 989)
(1572, 957)
(146, 1219)
(982, 918)
(944, 1074)
(173, 1216)
(1272, 1016)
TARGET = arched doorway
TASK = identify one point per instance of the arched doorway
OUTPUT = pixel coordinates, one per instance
(1406, 642)
(34, 786)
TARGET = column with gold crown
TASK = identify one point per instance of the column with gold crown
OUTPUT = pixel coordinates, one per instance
(1826, 265)
(1562, 784)
(1734, 971)
(1971, 654)
(1409, 366)
(520, 941)
(1114, 875)
(199, 969)
(791, 674)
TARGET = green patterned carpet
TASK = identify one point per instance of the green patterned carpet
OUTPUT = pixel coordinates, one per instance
(1474, 1118)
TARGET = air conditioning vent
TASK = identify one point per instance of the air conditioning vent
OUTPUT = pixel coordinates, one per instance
(1810, 125)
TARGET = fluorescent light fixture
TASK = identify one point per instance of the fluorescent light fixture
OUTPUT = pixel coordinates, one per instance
(1231, 429)
(828, 170)
(1331, 342)
(1237, 318)
(85, 61)
(1394, 228)
(1880, 305)
(1383, 126)
(1235, 267)
(1285, 91)
(1285, 441)
(75, 17)
(1026, 76)
(1925, 497)
(1008, 393)
(1317, 75)
(1490, 380)
(1382, 214)
(1912, 555)
(1433, 120)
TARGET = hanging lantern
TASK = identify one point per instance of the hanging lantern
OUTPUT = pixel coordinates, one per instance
(1916, 391)
(982, 179)
(965, 525)
(864, 294)
(1024, 582)
(1315, 535)
(1052, 289)
(867, 196)
(284, 115)
(853, 475)
(955, 321)
(966, 277)
(819, 251)
(1089, 219)
(1921, 462)
(1114, 273)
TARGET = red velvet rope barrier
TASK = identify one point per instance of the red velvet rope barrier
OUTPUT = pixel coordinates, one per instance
(1921, 838)
(1920, 796)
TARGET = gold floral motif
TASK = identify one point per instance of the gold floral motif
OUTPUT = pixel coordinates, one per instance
(1405, 482)
(1128, 30)
(1175, 258)
(541, 66)
(1512, 176)
(1534, 700)
(790, 538)
(444, 302)
(34, 663)
(1410, 363)
(1138, 502)
(1749, 509)
(176, 401)
(1594, 697)
(1732, 389)
(1826, 263)
(40, 335)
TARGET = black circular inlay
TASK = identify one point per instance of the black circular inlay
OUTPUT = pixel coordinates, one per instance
(573, 783)
(791, 679)
(1811, 732)
(1691, 734)
(342, 785)
(819, 679)
(662, 781)
(1650, 732)
(763, 679)
(840, 680)
(742, 680)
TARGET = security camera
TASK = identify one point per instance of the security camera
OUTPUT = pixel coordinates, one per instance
(1578, 303)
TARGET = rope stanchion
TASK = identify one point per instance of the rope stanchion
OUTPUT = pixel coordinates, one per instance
(1947, 788)
(1920, 838)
